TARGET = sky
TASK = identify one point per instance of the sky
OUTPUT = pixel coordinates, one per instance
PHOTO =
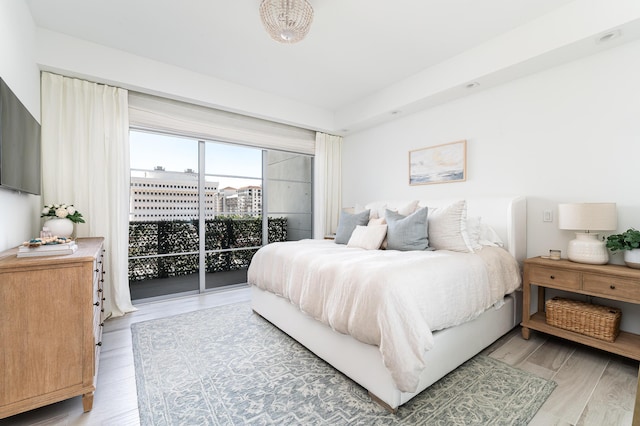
(148, 150)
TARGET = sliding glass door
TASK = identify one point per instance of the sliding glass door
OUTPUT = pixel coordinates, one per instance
(182, 189)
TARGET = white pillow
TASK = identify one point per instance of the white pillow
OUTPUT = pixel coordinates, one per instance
(368, 237)
(474, 225)
(377, 221)
(448, 228)
(378, 209)
(489, 237)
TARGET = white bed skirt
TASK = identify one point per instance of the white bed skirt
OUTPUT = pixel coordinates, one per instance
(363, 363)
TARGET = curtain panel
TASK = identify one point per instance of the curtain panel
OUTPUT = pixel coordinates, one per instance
(85, 162)
(328, 184)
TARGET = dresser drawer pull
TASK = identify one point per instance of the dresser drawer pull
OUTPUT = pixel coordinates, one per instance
(99, 290)
(97, 304)
(97, 270)
(99, 344)
(553, 277)
(612, 287)
(102, 324)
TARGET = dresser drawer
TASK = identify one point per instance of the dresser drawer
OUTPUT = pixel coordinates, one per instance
(615, 288)
(557, 278)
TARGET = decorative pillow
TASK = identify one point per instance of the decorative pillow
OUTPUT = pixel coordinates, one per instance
(368, 237)
(473, 230)
(407, 232)
(448, 228)
(347, 223)
(489, 237)
(378, 209)
(377, 221)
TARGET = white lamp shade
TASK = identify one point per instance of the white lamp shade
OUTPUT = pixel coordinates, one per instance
(588, 216)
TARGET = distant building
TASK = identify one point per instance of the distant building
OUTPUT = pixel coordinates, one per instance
(250, 200)
(161, 195)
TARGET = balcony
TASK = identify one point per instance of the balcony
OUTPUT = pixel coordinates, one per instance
(164, 255)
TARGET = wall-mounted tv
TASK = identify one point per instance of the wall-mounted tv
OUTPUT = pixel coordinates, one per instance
(19, 144)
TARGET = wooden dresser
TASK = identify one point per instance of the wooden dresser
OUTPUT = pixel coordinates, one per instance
(50, 327)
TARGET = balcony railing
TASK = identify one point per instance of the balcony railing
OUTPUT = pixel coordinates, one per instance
(163, 249)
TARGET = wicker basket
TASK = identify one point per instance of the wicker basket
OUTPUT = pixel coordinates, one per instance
(601, 322)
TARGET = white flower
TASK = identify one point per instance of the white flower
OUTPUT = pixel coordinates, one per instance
(45, 210)
(71, 210)
(61, 212)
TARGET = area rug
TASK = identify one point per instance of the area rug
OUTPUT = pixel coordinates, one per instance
(228, 366)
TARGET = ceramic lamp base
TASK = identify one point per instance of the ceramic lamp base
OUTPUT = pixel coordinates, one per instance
(587, 248)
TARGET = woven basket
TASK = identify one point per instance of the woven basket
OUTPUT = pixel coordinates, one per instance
(601, 322)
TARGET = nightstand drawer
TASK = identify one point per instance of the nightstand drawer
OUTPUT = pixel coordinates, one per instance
(557, 278)
(618, 288)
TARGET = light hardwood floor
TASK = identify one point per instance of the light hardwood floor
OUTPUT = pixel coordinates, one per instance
(594, 388)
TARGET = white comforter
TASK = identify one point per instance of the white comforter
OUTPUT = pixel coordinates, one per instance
(388, 298)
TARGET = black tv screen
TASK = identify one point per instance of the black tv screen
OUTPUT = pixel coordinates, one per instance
(19, 144)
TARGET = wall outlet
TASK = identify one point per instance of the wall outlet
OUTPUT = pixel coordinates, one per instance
(547, 216)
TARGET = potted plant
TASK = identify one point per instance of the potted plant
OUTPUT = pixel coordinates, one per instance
(629, 243)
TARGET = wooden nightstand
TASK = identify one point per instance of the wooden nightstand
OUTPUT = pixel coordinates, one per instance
(613, 282)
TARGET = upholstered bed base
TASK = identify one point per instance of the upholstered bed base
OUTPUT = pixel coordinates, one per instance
(363, 363)
(452, 347)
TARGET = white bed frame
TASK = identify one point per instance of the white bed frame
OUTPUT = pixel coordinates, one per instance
(452, 347)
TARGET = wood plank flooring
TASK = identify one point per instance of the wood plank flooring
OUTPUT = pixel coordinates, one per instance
(594, 387)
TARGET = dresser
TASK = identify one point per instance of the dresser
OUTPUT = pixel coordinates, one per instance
(615, 282)
(50, 327)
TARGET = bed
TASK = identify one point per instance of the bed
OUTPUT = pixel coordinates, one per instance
(372, 363)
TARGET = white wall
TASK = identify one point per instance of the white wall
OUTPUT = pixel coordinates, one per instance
(20, 213)
(568, 134)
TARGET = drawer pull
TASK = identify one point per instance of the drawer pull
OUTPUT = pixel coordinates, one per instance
(99, 344)
(97, 270)
(96, 304)
(99, 290)
(612, 287)
(553, 277)
(102, 324)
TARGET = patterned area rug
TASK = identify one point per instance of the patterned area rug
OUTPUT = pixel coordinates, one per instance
(228, 366)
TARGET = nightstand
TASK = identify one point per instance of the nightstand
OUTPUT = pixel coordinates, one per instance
(613, 282)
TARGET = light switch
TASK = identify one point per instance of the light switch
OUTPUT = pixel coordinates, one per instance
(547, 216)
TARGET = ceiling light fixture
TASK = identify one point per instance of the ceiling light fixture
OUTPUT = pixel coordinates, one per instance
(608, 36)
(286, 21)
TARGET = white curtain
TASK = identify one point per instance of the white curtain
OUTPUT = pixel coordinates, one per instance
(328, 184)
(85, 162)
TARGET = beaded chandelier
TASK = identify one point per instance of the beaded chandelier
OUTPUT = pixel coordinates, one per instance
(286, 21)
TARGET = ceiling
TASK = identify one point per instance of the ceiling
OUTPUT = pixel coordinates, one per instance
(355, 48)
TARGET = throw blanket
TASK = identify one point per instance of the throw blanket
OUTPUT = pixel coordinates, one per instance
(393, 299)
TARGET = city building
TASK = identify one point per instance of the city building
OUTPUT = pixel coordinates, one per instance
(158, 194)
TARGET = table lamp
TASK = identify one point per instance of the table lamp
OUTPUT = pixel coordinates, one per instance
(587, 217)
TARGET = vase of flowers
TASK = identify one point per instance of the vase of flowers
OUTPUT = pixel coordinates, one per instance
(61, 219)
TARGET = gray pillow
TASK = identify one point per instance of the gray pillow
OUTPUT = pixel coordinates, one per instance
(407, 232)
(347, 224)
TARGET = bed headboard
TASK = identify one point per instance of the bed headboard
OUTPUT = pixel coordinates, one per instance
(506, 215)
